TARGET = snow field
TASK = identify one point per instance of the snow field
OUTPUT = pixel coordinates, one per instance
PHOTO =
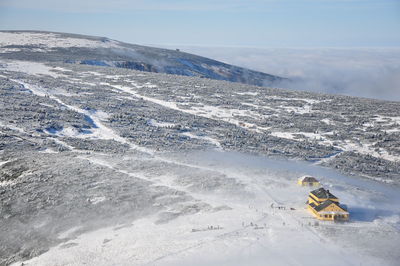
(249, 232)
(32, 68)
(51, 40)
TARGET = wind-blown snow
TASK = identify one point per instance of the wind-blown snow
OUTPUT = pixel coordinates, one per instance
(250, 231)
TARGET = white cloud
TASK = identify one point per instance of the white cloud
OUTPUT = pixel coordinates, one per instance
(364, 72)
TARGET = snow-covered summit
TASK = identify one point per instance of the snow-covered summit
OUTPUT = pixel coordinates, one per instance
(100, 51)
(49, 40)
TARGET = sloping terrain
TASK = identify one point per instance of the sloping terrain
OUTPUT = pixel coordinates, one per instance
(355, 135)
(88, 50)
(103, 165)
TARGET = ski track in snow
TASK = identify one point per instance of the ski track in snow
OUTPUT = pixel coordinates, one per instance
(99, 131)
(211, 112)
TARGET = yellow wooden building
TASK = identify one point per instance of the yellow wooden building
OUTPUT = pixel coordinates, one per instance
(325, 206)
(308, 181)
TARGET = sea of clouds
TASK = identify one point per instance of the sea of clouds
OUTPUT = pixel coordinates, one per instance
(363, 72)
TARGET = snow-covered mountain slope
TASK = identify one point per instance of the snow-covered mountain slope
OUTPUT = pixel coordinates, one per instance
(112, 166)
(355, 135)
(80, 49)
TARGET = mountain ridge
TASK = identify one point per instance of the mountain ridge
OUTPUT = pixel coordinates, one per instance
(112, 53)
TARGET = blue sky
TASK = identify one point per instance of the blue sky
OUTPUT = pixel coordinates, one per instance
(236, 23)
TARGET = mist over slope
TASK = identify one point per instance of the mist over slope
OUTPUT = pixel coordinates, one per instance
(101, 51)
(361, 72)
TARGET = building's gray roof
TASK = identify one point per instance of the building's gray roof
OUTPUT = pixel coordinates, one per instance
(326, 204)
(323, 193)
(309, 179)
(323, 205)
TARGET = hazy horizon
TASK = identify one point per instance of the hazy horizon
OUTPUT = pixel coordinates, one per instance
(258, 23)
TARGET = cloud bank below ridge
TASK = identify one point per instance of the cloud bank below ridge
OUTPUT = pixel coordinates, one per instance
(362, 72)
